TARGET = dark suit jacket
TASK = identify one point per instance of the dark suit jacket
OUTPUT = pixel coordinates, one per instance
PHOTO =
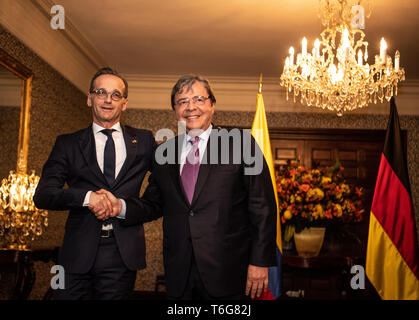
(230, 224)
(73, 162)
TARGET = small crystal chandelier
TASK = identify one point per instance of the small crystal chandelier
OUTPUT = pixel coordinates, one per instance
(336, 75)
(20, 220)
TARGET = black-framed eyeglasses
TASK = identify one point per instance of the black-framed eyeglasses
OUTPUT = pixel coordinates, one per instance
(103, 94)
(197, 100)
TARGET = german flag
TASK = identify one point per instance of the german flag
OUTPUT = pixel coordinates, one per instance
(392, 262)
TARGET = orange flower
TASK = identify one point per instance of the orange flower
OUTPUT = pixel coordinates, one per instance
(328, 213)
(304, 187)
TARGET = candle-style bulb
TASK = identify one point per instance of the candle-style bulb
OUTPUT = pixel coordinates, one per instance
(360, 57)
(304, 47)
(383, 50)
(397, 61)
(291, 52)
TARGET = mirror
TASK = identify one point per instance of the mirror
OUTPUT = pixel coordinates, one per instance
(15, 102)
(9, 120)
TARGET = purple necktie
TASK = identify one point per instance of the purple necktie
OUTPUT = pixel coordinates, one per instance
(190, 169)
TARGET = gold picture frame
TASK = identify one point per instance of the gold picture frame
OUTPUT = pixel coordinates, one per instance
(24, 73)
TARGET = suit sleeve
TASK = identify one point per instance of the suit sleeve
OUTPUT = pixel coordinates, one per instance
(144, 209)
(262, 213)
(50, 193)
(148, 207)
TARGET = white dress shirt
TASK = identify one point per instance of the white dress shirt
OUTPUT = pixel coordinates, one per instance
(120, 151)
(120, 148)
(202, 145)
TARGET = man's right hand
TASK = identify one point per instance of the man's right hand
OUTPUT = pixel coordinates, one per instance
(115, 203)
(100, 205)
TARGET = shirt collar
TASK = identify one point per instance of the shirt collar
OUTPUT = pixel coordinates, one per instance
(203, 136)
(97, 128)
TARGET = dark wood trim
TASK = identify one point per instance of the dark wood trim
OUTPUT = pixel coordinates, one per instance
(14, 66)
(328, 134)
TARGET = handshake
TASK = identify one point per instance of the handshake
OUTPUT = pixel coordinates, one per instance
(104, 204)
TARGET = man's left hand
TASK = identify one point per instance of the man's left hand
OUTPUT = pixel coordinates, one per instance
(257, 281)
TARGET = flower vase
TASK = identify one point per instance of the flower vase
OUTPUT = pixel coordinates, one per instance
(309, 241)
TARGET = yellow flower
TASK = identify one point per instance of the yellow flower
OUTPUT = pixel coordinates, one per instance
(345, 188)
(319, 193)
(326, 180)
(287, 215)
(315, 193)
(311, 193)
(319, 210)
(298, 199)
(292, 198)
(306, 178)
(339, 210)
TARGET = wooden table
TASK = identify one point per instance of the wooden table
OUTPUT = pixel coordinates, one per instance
(326, 276)
(17, 273)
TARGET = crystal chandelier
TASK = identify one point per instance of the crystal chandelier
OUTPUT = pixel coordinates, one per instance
(20, 220)
(336, 75)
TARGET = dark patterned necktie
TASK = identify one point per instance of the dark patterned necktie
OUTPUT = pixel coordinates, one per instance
(109, 157)
(190, 169)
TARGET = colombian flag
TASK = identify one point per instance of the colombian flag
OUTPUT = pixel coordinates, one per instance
(392, 262)
(261, 135)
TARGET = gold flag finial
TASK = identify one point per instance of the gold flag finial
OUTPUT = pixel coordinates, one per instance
(260, 83)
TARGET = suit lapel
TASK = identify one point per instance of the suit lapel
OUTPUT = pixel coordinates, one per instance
(88, 149)
(131, 145)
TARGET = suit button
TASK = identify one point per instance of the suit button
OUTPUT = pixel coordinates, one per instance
(191, 213)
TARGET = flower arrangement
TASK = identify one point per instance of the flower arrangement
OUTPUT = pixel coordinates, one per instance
(316, 198)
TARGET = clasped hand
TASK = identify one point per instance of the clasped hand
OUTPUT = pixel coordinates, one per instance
(104, 204)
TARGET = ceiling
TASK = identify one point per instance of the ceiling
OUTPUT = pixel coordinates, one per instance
(226, 37)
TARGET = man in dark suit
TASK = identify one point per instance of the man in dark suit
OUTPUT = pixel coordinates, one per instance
(219, 219)
(100, 256)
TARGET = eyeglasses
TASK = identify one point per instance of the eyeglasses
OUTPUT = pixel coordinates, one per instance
(103, 94)
(197, 100)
